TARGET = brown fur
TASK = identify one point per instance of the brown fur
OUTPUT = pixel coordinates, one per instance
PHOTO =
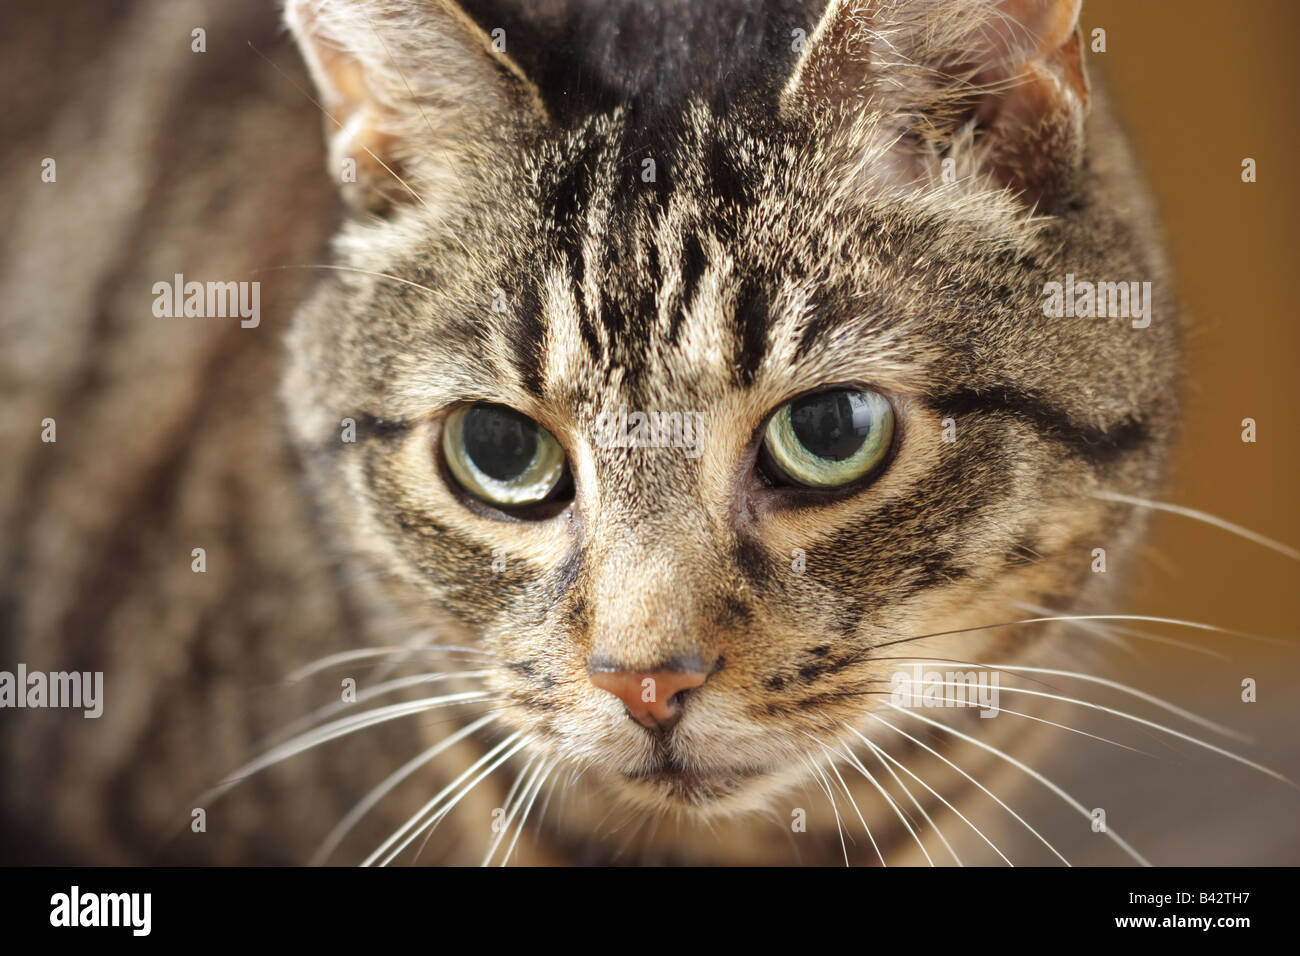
(790, 243)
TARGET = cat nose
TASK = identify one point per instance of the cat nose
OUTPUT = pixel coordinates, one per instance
(652, 698)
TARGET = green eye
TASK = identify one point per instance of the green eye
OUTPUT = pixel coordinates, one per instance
(829, 439)
(501, 456)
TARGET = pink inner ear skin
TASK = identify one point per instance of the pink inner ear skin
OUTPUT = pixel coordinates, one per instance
(1044, 27)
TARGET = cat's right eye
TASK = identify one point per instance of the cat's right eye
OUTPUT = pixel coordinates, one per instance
(503, 457)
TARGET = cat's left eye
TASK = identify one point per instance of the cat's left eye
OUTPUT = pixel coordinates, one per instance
(503, 457)
(829, 439)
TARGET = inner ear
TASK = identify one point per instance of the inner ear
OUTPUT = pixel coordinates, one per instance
(415, 94)
(1010, 72)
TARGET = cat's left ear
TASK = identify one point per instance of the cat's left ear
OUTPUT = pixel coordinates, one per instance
(1010, 72)
(418, 97)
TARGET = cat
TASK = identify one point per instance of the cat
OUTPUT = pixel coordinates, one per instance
(803, 248)
(860, 247)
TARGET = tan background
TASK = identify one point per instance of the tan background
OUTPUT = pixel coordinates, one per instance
(1201, 85)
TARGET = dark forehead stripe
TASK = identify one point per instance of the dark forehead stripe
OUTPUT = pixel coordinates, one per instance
(627, 303)
(751, 318)
(567, 189)
(525, 340)
(692, 265)
(1101, 446)
(704, 178)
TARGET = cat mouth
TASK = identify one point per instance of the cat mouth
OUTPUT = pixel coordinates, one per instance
(671, 779)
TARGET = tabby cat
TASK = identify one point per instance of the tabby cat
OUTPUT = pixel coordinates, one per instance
(677, 375)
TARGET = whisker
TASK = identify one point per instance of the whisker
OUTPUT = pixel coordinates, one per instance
(1110, 833)
(1207, 518)
(370, 693)
(550, 792)
(1160, 702)
(523, 820)
(844, 786)
(1102, 631)
(915, 802)
(512, 805)
(339, 728)
(500, 753)
(345, 826)
(826, 787)
(1131, 632)
(1041, 720)
(989, 793)
(418, 643)
(366, 653)
(1196, 625)
(861, 768)
(886, 755)
(1152, 724)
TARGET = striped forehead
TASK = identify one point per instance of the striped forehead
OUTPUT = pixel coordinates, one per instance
(647, 280)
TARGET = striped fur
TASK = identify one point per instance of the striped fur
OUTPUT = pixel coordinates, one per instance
(784, 245)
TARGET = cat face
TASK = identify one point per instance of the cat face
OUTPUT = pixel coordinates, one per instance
(690, 419)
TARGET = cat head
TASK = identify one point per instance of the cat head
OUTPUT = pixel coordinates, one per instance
(686, 414)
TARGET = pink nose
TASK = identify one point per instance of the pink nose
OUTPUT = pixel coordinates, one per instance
(652, 698)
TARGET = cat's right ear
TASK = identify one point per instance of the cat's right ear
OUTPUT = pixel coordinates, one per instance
(417, 96)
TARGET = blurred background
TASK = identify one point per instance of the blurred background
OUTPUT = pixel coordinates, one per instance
(1199, 85)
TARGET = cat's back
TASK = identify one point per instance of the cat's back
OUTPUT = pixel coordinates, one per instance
(146, 141)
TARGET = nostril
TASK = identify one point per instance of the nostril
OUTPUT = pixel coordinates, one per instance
(653, 698)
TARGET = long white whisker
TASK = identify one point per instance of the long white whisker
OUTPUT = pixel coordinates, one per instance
(506, 749)
(340, 728)
(1151, 723)
(344, 826)
(370, 693)
(365, 653)
(880, 755)
(898, 811)
(882, 752)
(957, 701)
(1109, 631)
(1195, 625)
(1110, 834)
(989, 793)
(1203, 516)
(523, 820)
(826, 786)
(847, 792)
(1160, 702)
(513, 805)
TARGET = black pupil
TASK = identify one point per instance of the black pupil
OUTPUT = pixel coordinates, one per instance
(831, 425)
(500, 441)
